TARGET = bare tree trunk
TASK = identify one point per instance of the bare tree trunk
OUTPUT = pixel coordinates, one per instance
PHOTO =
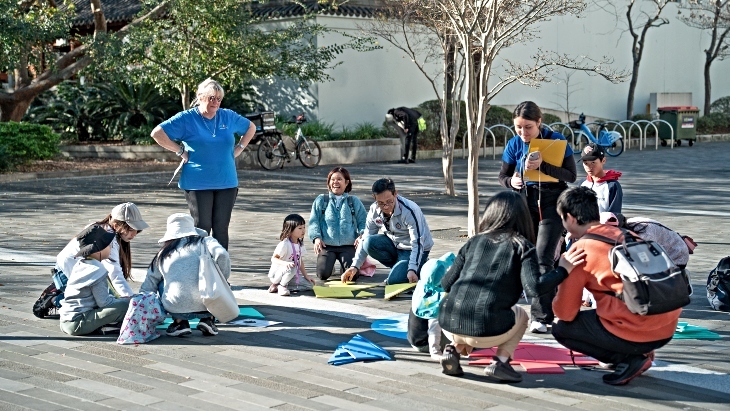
(708, 87)
(632, 90)
(185, 97)
(447, 140)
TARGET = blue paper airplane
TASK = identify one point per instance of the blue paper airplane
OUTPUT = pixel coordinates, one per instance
(358, 348)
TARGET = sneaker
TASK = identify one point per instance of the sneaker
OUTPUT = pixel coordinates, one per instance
(450, 362)
(206, 326)
(273, 287)
(502, 371)
(283, 291)
(411, 160)
(179, 329)
(536, 327)
(421, 348)
(627, 371)
(403, 161)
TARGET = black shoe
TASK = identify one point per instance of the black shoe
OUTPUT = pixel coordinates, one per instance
(403, 161)
(411, 160)
(502, 371)
(626, 371)
(450, 362)
(207, 327)
(179, 329)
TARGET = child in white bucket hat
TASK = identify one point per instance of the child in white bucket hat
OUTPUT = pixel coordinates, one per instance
(173, 273)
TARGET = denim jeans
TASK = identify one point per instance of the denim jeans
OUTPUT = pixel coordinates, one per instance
(381, 248)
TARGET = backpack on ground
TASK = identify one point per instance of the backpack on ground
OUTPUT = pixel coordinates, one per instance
(718, 286)
(50, 300)
(653, 284)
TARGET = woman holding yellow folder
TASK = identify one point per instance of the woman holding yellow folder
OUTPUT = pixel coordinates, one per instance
(541, 197)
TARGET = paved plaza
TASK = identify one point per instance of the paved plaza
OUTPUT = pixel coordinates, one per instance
(284, 367)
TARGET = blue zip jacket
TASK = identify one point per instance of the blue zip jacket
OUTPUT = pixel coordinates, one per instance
(336, 226)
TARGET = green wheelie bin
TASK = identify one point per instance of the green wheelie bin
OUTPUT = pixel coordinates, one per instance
(683, 120)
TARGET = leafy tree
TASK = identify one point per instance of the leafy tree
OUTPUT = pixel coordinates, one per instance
(712, 16)
(224, 40)
(27, 31)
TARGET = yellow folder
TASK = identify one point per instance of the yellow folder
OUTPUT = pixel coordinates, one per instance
(552, 151)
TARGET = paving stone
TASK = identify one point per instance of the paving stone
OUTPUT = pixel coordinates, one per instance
(288, 363)
(61, 399)
(28, 402)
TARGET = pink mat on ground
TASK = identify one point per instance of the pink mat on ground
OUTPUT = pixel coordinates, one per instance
(535, 359)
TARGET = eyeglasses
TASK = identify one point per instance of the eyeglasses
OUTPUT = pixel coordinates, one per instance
(388, 203)
(212, 98)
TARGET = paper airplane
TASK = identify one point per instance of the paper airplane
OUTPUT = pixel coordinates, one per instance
(358, 349)
(332, 292)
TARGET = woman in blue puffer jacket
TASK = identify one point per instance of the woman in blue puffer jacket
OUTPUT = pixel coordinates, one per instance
(336, 223)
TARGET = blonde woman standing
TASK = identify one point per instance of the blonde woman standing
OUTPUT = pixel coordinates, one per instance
(208, 148)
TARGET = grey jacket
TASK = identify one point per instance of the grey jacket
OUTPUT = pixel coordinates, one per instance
(86, 289)
(408, 230)
(179, 272)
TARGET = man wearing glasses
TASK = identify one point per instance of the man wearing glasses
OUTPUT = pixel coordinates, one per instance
(406, 242)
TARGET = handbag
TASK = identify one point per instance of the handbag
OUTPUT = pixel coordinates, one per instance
(653, 284)
(145, 312)
(214, 289)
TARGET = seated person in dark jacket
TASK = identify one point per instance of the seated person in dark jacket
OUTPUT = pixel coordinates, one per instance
(486, 281)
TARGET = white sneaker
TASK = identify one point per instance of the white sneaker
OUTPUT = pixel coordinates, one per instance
(537, 327)
(283, 291)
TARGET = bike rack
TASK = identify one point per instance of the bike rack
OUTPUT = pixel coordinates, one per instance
(651, 123)
(565, 126)
(671, 131)
(628, 134)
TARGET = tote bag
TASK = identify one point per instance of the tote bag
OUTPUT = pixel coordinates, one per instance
(214, 289)
(145, 312)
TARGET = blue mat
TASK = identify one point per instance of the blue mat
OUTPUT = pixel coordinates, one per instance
(396, 327)
(243, 312)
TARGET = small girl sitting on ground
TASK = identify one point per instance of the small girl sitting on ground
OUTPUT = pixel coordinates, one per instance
(287, 272)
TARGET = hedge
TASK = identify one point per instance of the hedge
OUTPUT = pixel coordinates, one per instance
(24, 142)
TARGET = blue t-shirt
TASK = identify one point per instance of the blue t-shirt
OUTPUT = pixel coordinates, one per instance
(211, 165)
(517, 150)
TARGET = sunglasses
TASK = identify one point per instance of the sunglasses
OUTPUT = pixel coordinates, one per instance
(214, 98)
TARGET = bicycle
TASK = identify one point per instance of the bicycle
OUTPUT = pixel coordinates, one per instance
(611, 141)
(273, 150)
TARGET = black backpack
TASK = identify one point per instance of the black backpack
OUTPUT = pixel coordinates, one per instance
(718, 286)
(50, 300)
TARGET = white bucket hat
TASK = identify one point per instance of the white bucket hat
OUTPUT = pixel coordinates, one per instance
(181, 225)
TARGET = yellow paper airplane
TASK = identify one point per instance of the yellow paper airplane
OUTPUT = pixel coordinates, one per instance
(397, 289)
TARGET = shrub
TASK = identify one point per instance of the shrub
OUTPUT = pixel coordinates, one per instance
(713, 123)
(431, 112)
(722, 106)
(548, 118)
(23, 142)
(139, 136)
(361, 131)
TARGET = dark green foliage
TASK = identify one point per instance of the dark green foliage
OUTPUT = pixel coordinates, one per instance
(72, 110)
(431, 112)
(713, 123)
(548, 118)
(23, 142)
(118, 111)
(722, 106)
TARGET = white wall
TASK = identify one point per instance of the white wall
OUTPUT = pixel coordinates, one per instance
(673, 62)
(367, 84)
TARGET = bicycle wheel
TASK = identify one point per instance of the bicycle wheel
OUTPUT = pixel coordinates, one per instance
(309, 152)
(615, 148)
(269, 153)
(581, 140)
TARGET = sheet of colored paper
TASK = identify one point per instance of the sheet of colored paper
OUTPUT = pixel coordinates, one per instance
(332, 292)
(397, 289)
(364, 294)
(552, 152)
